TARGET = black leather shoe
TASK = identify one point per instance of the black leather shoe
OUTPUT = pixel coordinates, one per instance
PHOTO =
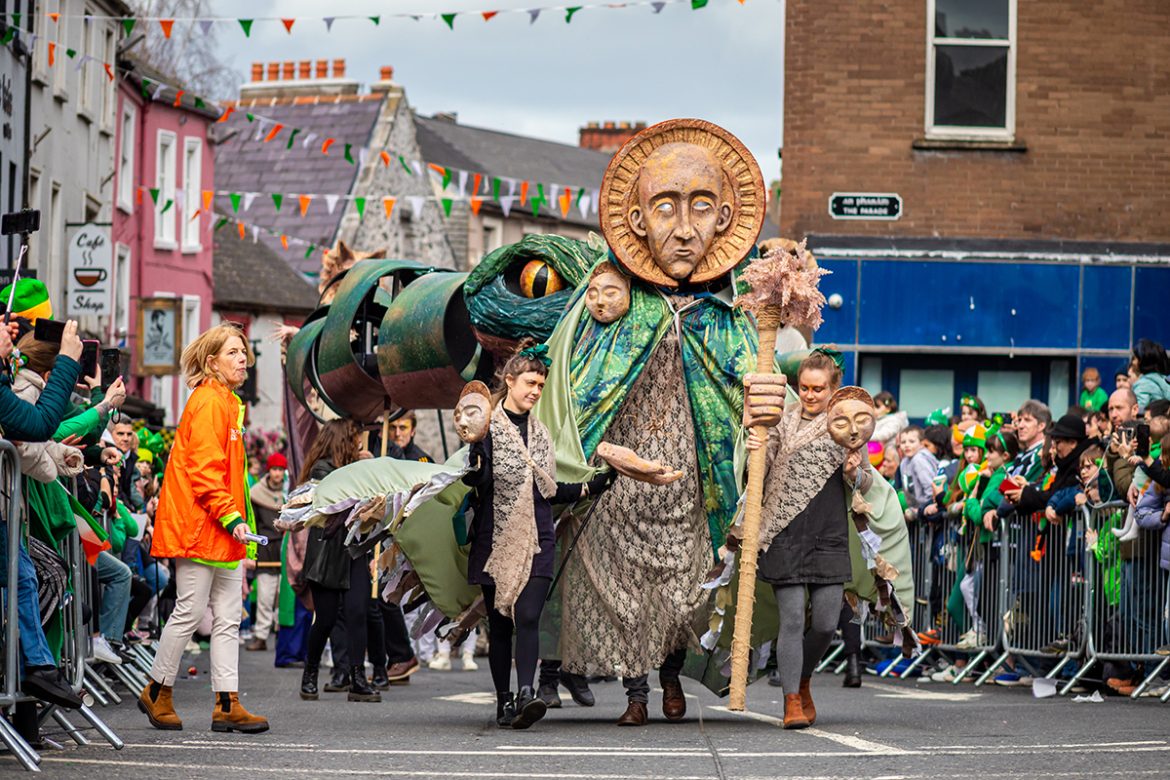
(578, 688)
(852, 671)
(548, 694)
(505, 710)
(309, 690)
(339, 682)
(48, 686)
(359, 686)
(529, 709)
(379, 679)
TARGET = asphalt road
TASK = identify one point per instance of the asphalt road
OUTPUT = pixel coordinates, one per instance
(442, 726)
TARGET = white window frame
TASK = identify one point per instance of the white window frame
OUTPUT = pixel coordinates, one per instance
(120, 317)
(953, 132)
(192, 179)
(107, 87)
(164, 181)
(61, 68)
(86, 102)
(40, 54)
(192, 327)
(126, 137)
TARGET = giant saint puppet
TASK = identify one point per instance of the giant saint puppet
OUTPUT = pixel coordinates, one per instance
(648, 358)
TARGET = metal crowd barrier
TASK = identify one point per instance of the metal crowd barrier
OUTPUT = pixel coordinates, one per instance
(76, 637)
(1048, 595)
(1125, 614)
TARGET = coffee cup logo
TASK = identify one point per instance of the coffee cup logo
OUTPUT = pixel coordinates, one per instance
(88, 277)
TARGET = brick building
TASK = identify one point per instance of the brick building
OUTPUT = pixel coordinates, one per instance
(1026, 146)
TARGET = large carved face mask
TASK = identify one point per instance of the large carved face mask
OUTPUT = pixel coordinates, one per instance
(473, 413)
(851, 422)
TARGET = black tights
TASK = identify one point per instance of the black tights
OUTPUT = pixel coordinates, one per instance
(329, 603)
(526, 623)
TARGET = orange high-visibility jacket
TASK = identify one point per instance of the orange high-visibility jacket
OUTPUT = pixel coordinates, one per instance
(204, 490)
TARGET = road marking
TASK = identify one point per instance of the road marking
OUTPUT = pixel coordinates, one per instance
(896, 692)
(470, 698)
(857, 743)
(380, 772)
(1052, 747)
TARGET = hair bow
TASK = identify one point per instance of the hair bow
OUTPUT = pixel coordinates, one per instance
(833, 355)
(971, 401)
(537, 352)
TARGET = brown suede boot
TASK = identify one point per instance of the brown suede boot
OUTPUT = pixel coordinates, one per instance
(793, 713)
(230, 715)
(157, 703)
(806, 702)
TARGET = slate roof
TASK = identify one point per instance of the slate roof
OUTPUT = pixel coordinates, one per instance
(253, 277)
(244, 163)
(496, 153)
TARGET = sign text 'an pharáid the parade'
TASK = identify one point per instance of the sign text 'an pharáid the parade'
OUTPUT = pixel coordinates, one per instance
(865, 205)
(89, 285)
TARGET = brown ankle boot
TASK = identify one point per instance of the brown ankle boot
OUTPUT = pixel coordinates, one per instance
(230, 715)
(793, 713)
(806, 702)
(160, 708)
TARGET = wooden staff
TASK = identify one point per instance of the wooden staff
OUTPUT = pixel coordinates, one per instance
(768, 320)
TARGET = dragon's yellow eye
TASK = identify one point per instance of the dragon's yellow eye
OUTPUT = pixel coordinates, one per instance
(539, 279)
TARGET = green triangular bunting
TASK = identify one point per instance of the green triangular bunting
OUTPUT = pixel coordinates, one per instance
(9, 34)
(449, 19)
(360, 203)
(154, 195)
(221, 222)
(697, 4)
(569, 13)
(235, 199)
(447, 206)
(71, 53)
(246, 24)
(376, 20)
(128, 26)
(348, 155)
(291, 136)
(167, 207)
(277, 200)
(495, 187)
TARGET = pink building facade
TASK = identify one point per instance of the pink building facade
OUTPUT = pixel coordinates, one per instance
(162, 234)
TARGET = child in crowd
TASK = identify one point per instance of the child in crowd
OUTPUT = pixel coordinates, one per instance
(1121, 377)
(971, 411)
(1094, 486)
(919, 465)
(1093, 396)
(966, 480)
(1098, 426)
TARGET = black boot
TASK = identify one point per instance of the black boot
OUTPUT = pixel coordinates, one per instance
(359, 686)
(379, 679)
(309, 682)
(339, 682)
(550, 677)
(529, 709)
(578, 688)
(852, 671)
(505, 710)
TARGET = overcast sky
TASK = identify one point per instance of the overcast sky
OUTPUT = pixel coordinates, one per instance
(722, 63)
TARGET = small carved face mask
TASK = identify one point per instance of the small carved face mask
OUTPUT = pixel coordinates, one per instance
(472, 417)
(851, 423)
(608, 297)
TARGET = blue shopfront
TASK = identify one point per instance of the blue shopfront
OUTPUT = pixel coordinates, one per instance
(932, 321)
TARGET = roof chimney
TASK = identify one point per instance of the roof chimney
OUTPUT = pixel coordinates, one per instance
(298, 79)
(385, 84)
(608, 136)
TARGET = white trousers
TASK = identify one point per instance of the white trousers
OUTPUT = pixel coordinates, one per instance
(198, 587)
(267, 585)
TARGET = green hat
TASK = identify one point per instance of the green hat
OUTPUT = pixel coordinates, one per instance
(145, 455)
(939, 417)
(31, 301)
(976, 436)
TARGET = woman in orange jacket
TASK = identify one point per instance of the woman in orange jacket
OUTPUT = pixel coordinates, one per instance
(203, 517)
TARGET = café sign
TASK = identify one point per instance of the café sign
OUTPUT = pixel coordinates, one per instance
(88, 290)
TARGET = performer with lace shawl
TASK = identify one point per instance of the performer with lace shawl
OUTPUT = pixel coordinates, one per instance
(512, 477)
(804, 540)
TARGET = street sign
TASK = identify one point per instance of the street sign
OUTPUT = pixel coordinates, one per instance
(865, 205)
(90, 259)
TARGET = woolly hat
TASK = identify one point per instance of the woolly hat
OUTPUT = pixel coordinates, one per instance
(31, 301)
(145, 455)
(276, 461)
(1071, 426)
(976, 436)
(939, 417)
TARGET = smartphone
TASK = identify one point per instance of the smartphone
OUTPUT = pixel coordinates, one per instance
(89, 357)
(48, 330)
(111, 366)
(1142, 432)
